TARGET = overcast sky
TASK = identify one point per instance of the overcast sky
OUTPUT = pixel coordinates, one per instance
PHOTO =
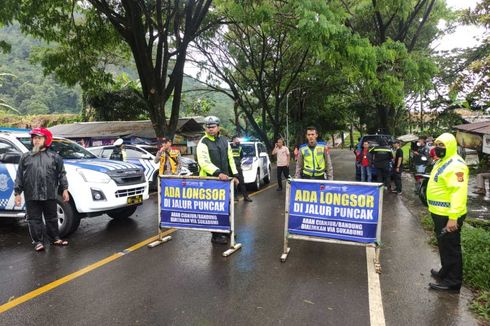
(464, 36)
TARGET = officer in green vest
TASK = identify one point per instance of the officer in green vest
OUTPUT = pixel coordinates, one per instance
(447, 193)
(314, 158)
(215, 159)
(383, 160)
(236, 148)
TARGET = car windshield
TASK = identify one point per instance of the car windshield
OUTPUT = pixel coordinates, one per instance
(65, 148)
(377, 140)
(248, 150)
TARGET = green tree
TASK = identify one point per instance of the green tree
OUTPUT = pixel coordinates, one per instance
(472, 66)
(401, 32)
(97, 32)
(3, 102)
(261, 54)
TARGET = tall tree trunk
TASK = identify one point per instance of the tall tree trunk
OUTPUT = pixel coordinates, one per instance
(383, 118)
(237, 117)
(351, 136)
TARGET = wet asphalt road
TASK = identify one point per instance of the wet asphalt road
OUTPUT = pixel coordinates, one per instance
(188, 282)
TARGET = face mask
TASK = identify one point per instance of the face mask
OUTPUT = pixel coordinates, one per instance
(440, 152)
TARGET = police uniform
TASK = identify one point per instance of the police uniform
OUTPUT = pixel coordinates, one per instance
(237, 156)
(118, 154)
(169, 161)
(382, 159)
(447, 192)
(314, 162)
(214, 157)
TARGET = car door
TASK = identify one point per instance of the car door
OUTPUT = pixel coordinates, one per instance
(135, 155)
(263, 159)
(106, 153)
(9, 157)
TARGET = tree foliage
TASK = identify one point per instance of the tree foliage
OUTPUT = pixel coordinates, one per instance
(30, 92)
(473, 73)
(94, 33)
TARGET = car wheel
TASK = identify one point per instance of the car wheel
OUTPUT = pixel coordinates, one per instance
(267, 178)
(68, 217)
(121, 213)
(256, 184)
(153, 184)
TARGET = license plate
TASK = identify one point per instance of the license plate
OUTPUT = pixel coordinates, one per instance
(135, 200)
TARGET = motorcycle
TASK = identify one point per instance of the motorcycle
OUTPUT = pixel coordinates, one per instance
(421, 182)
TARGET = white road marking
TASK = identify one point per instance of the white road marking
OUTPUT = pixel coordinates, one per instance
(376, 311)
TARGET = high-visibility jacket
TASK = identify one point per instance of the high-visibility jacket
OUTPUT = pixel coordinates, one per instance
(119, 154)
(314, 161)
(447, 189)
(237, 153)
(173, 156)
(214, 156)
(382, 156)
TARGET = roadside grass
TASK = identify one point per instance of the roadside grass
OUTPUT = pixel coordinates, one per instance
(475, 241)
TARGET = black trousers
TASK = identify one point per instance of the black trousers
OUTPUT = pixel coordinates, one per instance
(282, 170)
(241, 186)
(397, 177)
(35, 210)
(383, 175)
(449, 250)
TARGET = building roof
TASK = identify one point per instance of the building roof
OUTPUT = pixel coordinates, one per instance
(112, 129)
(476, 128)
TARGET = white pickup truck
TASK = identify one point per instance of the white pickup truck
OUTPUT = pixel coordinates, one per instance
(256, 164)
(96, 186)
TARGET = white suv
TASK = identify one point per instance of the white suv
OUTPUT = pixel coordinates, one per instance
(143, 156)
(96, 186)
(256, 164)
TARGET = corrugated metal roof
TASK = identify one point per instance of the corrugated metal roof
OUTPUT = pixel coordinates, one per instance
(477, 128)
(109, 129)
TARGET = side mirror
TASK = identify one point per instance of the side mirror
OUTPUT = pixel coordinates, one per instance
(12, 158)
(146, 157)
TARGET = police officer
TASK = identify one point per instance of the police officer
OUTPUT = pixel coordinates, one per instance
(382, 160)
(215, 158)
(169, 158)
(119, 152)
(446, 197)
(236, 148)
(314, 158)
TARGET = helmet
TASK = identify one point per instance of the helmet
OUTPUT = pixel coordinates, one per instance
(43, 132)
(211, 120)
(118, 142)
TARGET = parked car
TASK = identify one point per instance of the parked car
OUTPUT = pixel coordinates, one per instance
(96, 186)
(256, 164)
(143, 156)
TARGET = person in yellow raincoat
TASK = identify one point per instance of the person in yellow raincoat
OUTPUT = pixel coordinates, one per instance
(447, 192)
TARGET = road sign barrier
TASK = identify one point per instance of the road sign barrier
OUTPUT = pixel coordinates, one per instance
(334, 212)
(197, 203)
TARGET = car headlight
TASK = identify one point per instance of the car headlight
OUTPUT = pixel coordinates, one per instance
(94, 176)
(247, 167)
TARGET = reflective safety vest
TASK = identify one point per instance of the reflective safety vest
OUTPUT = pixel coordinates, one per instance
(173, 154)
(447, 190)
(237, 151)
(313, 161)
(214, 156)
